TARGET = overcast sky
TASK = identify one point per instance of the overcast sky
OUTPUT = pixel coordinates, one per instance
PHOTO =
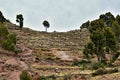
(63, 15)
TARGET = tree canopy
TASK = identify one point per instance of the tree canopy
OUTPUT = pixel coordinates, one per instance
(104, 37)
(46, 24)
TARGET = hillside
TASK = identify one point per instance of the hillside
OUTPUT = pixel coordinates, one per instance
(41, 49)
(42, 42)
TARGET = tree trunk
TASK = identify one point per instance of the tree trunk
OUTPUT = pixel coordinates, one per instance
(45, 29)
(111, 59)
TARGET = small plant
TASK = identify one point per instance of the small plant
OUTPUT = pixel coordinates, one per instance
(84, 66)
(3, 32)
(43, 78)
(77, 63)
(12, 38)
(67, 77)
(7, 40)
(52, 77)
(97, 65)
(100, 71)
(113, 70)
(9, 43)
(25, 76)
(50, 58)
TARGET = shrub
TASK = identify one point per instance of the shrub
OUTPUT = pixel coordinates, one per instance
(12, 38)
(50, 58)
(84, 66)
(113, 70)
(8, 45)
(7, 40)
(76, 63)
(3, 32)
(97, 65)
(100, 71)
(25, 76)
(52, 77)
(10, 42)
(67, 77)
(43, 78)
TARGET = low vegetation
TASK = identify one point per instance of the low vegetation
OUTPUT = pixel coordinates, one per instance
(7, 40)
(25, 76)
(102, 71)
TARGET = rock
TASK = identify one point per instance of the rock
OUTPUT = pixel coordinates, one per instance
(12, 64)
(1, 69)
(14, 75)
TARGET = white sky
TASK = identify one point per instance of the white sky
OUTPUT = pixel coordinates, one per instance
(63, 15)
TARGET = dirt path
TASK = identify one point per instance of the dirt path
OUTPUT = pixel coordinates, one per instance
(64, 55)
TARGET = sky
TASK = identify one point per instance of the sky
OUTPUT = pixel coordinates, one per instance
(63, 15)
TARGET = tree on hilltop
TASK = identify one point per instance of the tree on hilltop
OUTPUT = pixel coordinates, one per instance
(46, 25)
(19, 19)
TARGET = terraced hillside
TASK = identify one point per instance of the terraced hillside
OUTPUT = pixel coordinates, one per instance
(71, 42)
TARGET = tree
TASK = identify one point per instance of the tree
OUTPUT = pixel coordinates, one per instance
(108, 18)
(88, 50)
(110, 42)
(85, 25)
(46, 25)
(118, 19)
(104, 39)
(2, 19)
(97, 39)
(19, 19)
(116, 29)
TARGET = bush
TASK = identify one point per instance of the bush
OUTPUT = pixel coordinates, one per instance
(3, 32)
(8, 45)
(10, 42)
(77, 63)
(84, 66)
(25, 76)
(67, 77)
(50, 58)
(100, 71)
(43, 78)
(7, 40)
(113, 70)
(12, 38)
(97, 65)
